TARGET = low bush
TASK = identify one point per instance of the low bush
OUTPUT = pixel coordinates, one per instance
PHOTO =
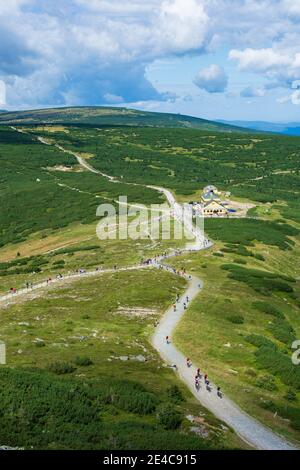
(83, 361)
(174, 393)
(168, 417)
(290, 395)
(237, 319)
(267, 382)
(270, 358)
(61, 368)
(282, 330)
(267, 308)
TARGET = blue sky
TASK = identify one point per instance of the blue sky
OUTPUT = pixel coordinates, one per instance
(216, 59)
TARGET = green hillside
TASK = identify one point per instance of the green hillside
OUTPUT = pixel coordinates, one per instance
(239, 330)
(99, 115)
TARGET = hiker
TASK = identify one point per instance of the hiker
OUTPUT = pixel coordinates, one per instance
(219, 393)
(205, 377)
(188, 362)
(174, 307)
(187, 299)
(184, 306)
(167, 340)
(198, 373)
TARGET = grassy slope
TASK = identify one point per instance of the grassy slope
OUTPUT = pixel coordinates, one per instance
(209, 336)
(113, 117)
(83, 319)
(186, 160)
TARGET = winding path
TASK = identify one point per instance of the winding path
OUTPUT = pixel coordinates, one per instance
(249, 429)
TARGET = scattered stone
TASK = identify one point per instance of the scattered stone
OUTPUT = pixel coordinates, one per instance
(139, 358)
(200, 431)
(227, 345)
(123, 358)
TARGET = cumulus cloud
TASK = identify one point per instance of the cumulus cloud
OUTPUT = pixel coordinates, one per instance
(294, 98)
(84, 52)
(213, 79)
(98, 51)
(281, 68)
(260, 60)
(252, 92)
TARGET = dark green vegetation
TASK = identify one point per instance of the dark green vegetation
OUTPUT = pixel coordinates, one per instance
(275, 361)
(76, 376)
(241, 329)
(241, 232)
(106, 116)
(38, 198)
(263, 282)
(100, 414)
(260, 167)
(82, 332)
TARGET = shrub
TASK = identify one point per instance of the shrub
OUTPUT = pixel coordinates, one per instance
(263, 282)
(282, 330)
(130, 396)
(83, 361)
(287, 412)
(240, 261)
(267, 308)
(259, 257)
(290, 395)
(61, 368)
(267, 382)
(237, 319)
(168, 417)
(174, 393)
(270, 358)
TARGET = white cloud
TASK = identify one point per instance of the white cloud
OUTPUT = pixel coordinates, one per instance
(2, 93)
(81, 51)
(294, 98)
(213, 79)
(291, 7)
(113, 99)
(259, 60)
(251, 92)
(182, 25)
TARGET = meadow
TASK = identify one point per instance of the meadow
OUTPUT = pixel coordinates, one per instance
(87, 343)
(239, 329)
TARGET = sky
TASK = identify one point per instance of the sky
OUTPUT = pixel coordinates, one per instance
(215, 59)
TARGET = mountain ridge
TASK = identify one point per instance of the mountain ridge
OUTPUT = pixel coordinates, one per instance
(114, 116)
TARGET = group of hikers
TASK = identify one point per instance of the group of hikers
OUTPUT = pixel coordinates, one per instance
(59, 276)
(198, 375)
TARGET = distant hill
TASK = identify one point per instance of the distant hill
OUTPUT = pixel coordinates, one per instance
(288, 128)
(98, 115)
